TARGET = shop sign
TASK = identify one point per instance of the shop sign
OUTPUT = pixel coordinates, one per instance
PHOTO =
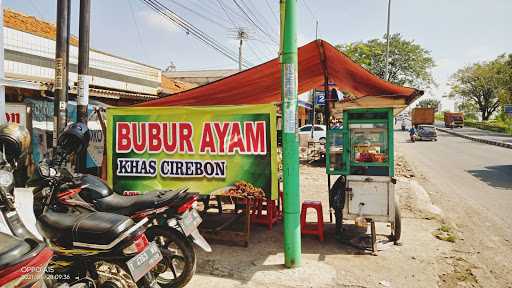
(210, 150)
(319, 97)
(508, 109)
(16, 113)
(96, 145)
(42, 129)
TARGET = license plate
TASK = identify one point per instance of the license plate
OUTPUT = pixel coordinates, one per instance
(144, 261)
(189, 221)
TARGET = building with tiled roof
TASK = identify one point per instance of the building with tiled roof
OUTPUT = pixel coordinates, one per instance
(29, 45)
(29, 59)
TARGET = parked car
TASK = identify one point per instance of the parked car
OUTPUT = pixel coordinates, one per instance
(319, 133)
(426, 132)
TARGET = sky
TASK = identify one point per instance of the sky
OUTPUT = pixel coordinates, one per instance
(456, 32)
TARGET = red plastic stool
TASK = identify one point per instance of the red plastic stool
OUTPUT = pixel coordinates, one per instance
(312, 228)
(265, 212)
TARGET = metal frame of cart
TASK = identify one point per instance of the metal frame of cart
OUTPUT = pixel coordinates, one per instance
(363, 152)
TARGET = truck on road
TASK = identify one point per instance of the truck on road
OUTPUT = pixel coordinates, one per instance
(453, 119)
(422, 116)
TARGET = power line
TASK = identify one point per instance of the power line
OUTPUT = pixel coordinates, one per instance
(200, 14)
(191, 29)
(251, 48)
(273, 12)
(254, 23)
(253, 51)
(139, 36)
(312, 15)
(226, 12)
(309, 9)
(255, 13)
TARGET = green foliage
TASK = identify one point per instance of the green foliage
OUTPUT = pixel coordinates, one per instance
(429, 103)
(495, 126)
(445, 233)
(470, 110)
(487, 85)
(409, 63)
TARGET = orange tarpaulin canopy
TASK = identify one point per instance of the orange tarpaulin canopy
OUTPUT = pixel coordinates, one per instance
(317, 60)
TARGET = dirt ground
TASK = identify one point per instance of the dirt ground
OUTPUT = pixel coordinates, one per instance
(425, 258)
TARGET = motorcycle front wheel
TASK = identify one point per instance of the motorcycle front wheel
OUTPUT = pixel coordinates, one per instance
(179, 258)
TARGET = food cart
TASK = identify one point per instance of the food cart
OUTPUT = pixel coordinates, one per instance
(362, 151)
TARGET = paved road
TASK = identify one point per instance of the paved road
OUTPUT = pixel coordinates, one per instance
(473, 171)
(472, 183)
(479, 133)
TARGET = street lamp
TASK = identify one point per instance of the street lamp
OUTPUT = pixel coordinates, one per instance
(386, 73)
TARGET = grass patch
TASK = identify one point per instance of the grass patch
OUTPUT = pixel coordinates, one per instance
(445, 233)
(445, 228)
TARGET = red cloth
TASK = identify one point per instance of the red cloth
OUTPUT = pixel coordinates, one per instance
(262, 84)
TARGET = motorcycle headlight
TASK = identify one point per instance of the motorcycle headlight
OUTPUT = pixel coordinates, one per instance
(6, 180)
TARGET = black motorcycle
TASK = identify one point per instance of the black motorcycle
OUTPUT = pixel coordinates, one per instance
(91, 249)
(23, 259)
(173, 219)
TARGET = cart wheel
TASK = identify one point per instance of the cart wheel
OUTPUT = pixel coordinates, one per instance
(396, 228)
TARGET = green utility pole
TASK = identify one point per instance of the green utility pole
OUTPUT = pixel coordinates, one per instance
(281, 29)
(289, 81)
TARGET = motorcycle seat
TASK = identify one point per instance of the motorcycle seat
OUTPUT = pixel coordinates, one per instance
(12, 250)
(96, 230)
(129, 205)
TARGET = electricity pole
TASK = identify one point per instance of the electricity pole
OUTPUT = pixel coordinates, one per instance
(60, 100)
(281, 28)
(83, 72)
(241, 35)
(289, 83)
(386, 73)
(240, 55)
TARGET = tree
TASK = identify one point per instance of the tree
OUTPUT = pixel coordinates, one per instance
(429, 103)
(482, 84)
(504, 77)
(409, 63)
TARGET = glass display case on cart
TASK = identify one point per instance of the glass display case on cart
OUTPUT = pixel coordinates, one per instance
(363, 152)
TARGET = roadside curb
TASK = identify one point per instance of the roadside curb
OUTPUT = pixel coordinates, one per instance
(491, 142)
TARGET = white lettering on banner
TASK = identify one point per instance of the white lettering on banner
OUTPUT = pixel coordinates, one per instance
(193, 168)
(217, 138)
(136, 167)
(171, 168)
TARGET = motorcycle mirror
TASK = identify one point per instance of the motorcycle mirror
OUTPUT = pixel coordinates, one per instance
(44, 170)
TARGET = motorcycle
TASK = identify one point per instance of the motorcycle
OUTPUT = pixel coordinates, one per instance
(23, 260)
(121, 257)
(173, 219)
